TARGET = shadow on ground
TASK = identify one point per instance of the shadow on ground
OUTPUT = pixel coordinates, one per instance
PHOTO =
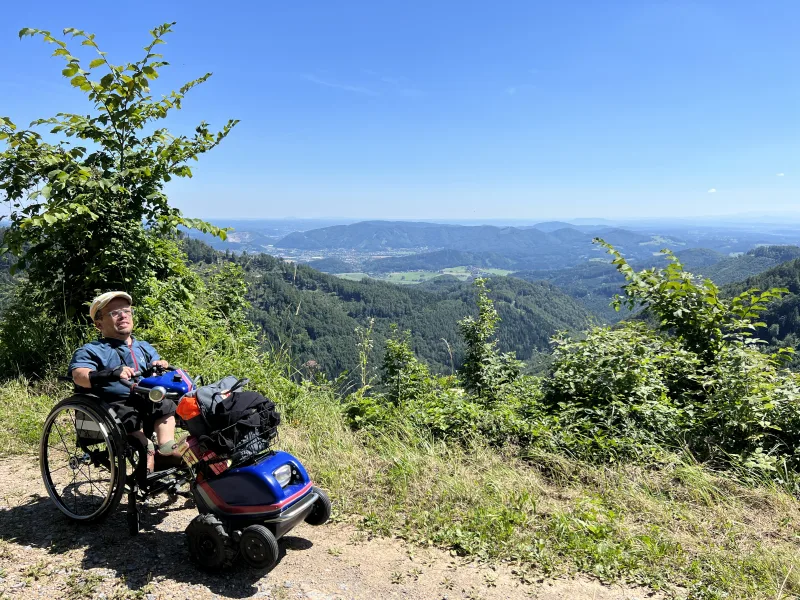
(153, 554)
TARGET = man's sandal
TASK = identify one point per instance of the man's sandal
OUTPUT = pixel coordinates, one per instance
(171, 458)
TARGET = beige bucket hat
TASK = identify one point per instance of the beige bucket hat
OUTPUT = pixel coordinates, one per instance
(100, 302)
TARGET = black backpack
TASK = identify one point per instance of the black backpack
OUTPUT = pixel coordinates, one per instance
(232, 422)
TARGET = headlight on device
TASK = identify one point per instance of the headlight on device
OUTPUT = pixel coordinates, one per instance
(283, 475)
(157, 394)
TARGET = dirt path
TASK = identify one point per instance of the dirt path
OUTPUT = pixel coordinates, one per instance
(42, 555)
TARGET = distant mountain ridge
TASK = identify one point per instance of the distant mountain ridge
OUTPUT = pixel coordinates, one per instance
(548, 226)
(529, 246)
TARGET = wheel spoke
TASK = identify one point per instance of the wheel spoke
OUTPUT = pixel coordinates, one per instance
(61, 437)
(91, 483)
(74, 495)
(79, 472)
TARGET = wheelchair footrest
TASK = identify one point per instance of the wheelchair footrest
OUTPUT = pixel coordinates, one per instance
(159, 475)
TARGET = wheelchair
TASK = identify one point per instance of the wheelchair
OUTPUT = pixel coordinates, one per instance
(248, 495)
(88, 463)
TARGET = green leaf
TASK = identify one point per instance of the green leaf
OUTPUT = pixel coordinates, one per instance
(70, 70)
(97, 62)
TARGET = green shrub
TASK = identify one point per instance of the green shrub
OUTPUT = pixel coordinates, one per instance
(620, 379)
(699, 380)
(485, 369)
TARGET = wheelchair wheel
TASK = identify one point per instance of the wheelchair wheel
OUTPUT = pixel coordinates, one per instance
(82, 457)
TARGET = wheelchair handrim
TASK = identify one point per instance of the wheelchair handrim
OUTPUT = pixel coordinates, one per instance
(67, 458)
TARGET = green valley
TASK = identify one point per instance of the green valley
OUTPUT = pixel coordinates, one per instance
(313, 315)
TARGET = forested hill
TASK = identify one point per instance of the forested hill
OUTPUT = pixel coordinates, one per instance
(315, 314)
(594, 283)
(783, 316)
(755, 261)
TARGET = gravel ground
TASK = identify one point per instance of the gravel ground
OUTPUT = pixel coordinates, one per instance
(43, 555)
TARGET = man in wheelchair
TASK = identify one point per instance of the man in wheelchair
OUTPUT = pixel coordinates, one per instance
(98, 367)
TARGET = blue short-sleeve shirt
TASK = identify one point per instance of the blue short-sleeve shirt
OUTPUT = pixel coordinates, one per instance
(110, 353)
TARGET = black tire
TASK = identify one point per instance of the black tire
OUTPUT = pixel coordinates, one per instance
(82, 459)
(209, 544)
(322, 509)
(258, 547)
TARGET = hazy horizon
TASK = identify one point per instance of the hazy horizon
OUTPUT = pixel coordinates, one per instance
(759, 217)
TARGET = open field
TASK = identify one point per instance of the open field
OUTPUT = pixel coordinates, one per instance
(352, 276)
(412, 277)
(498, 272)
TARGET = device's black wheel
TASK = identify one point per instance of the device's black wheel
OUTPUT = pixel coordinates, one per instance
(82, 458)
(209, 544)
(258, 547)
(322, 508)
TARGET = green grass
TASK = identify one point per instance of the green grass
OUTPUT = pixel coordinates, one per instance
(499, 272)
(675, 526)
(678, 527)
(23, 410)
(352, 276)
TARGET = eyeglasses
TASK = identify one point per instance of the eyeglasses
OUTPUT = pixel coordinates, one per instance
(117, 313)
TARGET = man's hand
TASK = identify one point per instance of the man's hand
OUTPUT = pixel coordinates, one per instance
(163, 364)
(126, 373)
(89, 378)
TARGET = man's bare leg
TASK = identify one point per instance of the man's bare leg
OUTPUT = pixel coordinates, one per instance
(167, 446)
(165, 429)
(147, 445)
(139, 435)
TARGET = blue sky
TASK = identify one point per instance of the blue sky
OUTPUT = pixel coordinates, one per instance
(532, 110)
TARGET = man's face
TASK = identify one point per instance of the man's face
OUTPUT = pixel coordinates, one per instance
(116, 325)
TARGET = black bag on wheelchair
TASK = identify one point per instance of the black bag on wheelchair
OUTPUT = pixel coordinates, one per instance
(233, 422)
